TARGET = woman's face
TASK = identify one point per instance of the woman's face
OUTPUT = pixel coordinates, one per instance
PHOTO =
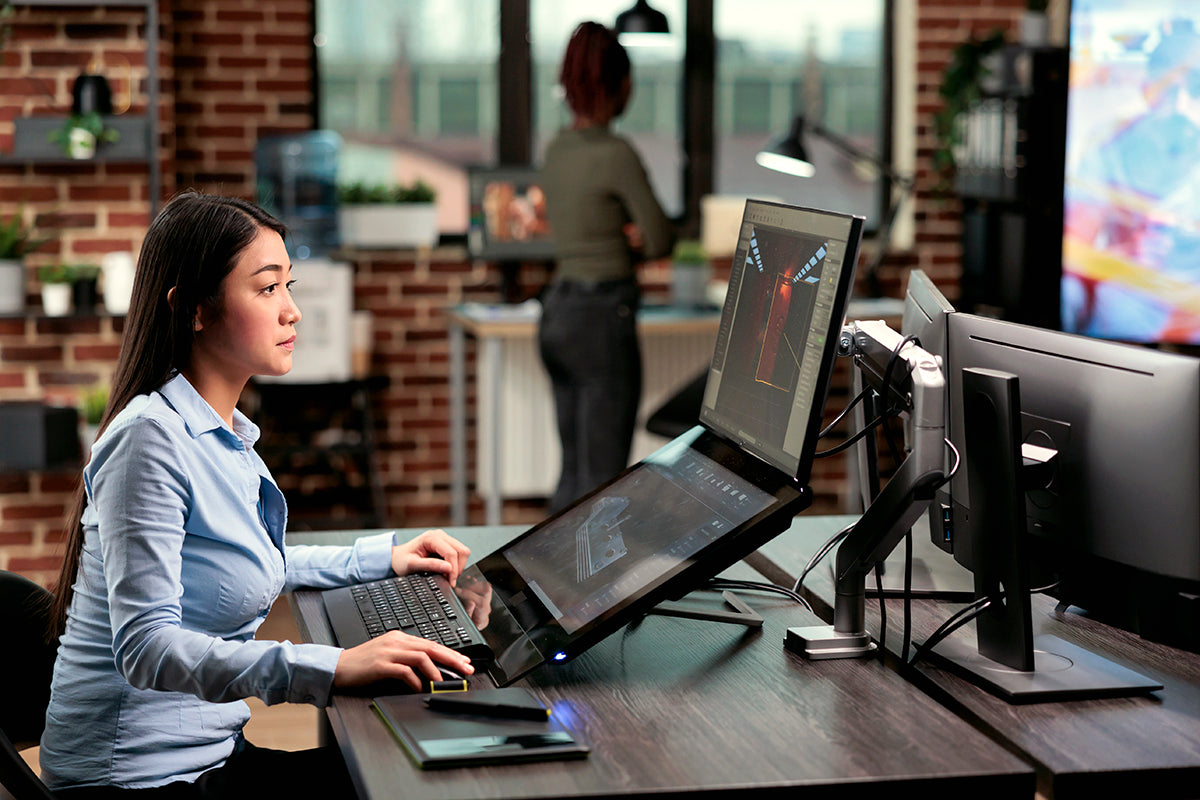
(253, 332)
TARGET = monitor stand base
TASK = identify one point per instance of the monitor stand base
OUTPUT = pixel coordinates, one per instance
(741, 615)
(1062, 671)
(819, 642)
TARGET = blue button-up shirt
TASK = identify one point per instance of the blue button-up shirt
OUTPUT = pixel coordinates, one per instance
(183, 557)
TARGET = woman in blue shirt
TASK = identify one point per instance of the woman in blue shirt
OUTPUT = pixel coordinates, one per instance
(176, 551)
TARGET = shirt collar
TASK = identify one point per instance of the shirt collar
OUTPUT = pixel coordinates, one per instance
(199, 417)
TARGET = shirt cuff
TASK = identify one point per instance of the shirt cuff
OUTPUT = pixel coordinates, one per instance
(312, 680)
(374, 555)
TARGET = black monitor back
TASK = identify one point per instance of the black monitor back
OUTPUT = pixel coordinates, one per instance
(1118, 520)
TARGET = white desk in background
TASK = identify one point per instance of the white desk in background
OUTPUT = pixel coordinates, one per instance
(518, 451)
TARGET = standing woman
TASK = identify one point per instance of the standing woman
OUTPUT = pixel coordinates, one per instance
(604, 217)
(175, 550)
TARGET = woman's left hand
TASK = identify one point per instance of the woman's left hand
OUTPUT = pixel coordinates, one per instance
(431, 551)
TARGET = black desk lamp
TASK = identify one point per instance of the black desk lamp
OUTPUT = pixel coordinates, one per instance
(641, 24)
(789, 155)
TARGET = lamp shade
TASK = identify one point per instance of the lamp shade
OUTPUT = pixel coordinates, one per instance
(642, 19)
(788, 154)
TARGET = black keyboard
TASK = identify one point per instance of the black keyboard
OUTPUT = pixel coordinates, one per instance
(421, 604)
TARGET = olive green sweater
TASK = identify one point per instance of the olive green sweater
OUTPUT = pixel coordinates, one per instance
(595, 184)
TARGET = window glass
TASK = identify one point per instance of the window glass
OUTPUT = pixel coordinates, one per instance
(651, 121)
(780, 58)
(410, 85)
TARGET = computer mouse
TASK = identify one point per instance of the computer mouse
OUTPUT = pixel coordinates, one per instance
(451, 682)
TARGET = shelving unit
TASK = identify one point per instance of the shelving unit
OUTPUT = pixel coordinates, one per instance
(318, 440)
(139, 134)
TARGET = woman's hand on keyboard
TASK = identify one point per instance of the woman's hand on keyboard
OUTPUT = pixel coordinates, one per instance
(431, 551)
(396, 656)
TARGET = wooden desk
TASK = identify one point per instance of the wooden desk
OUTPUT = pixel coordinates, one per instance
(676, 706)
(1081, 748)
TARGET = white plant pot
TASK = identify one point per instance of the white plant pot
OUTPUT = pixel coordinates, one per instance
(389, 225)
(689, 284)
(117, 271)
(12, 286)
(56, 299)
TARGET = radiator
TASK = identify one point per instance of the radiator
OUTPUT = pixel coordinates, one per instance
(515, 396)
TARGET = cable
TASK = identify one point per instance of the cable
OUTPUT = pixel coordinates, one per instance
(843, 413)
(845, 445)
(888, 409)
(953, 470)
(956, 621)
(726, 583)
(952, 624)
(821, 553)
(882, 610)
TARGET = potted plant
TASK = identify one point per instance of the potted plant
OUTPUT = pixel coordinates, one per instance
(56, 289)
(84, 287)
(16, 240)
(382, 215)
(91, 411)
(962, 86)
(690, 273)
(82, 134)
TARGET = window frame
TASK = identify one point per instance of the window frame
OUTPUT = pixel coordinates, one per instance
(515, 130)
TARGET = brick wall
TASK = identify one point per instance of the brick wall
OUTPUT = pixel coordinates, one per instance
(231, 72)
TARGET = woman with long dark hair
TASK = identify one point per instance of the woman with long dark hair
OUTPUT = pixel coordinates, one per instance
(175, 546)
(604, 217)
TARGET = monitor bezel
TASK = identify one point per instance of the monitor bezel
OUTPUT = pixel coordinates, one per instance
(802, 471)
(479, 244)
(552, 642)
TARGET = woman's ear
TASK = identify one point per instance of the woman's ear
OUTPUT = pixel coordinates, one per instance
(197, 325)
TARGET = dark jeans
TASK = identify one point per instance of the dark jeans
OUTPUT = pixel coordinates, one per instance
(251, 773)
(589, 344)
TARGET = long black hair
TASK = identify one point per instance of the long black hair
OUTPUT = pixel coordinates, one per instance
(190, 247)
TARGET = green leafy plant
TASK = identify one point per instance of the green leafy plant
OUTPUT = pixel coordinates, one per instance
(56, 273)
(93, 403)
(17, 239)
(961, 88)
(90, 122)
(689, 252)
(361, 193)
(85, 272)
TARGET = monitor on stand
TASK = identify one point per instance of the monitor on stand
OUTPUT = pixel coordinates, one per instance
(507, 221)
(933, 571)
(1117, 427)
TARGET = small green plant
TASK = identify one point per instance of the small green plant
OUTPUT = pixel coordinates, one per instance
(689, 252)
(17, 239)
(93, 403)
(962, 84)
(85, 272)
(56, 273)
(93, 127)
(361, 193)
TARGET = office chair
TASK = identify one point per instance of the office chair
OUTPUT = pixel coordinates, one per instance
(25, 675)
(681, 411)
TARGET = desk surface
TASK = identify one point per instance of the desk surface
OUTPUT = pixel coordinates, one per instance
(1081, 748)
(673, 706)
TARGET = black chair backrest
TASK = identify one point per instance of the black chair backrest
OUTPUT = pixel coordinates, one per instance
(25, 675)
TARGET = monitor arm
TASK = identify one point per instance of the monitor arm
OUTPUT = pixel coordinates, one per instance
(918, 387)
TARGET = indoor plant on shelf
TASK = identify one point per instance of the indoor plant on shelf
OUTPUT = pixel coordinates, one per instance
(56, 289)
(690, 273)
(382, 215)
(16, 240)
(83, 134)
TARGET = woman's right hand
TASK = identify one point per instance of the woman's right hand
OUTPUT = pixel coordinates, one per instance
(396, 656)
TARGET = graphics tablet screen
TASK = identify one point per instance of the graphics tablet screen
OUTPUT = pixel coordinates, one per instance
(628, 536)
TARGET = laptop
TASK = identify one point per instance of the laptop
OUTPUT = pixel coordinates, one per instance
(703, 501)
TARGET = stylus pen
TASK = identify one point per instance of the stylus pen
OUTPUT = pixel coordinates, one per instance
(485, 708)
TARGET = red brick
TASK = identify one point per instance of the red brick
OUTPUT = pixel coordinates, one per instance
(32, 353)
(97, 352)
(16, 538)
(25, 564)
(44, 511)
(108, 193)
